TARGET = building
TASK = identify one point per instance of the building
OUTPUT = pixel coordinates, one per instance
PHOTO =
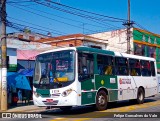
(142, 42)
(75, 40)
(22, 49)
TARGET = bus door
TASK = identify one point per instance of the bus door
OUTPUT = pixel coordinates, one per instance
(86, 77)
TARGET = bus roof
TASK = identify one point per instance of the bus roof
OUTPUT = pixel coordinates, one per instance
(59, 49)
(100, 51)
(82, 48)
(95, 50)
(133, 56)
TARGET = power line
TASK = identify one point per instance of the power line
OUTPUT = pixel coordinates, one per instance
(51, 18)
(55, 31)
(65, 18)
(80, 14)
(142, 27)
(66, 6)
(59, 4)
(20, 27)
(16, 2)
(91, 18)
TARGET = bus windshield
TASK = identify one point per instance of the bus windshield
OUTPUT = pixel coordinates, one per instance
(54, 70)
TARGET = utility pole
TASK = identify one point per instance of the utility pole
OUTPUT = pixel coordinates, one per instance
(3, 91)
(128, 24)
(128, 30)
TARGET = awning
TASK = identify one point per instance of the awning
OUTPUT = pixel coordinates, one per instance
(18, 81)
(27, 54)
(26, 72)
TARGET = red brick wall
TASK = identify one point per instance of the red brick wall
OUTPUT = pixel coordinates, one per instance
(68, 42)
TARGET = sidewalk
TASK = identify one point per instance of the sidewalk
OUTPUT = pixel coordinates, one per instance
(25, 108)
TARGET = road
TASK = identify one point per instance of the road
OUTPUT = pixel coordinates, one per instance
(126, 109)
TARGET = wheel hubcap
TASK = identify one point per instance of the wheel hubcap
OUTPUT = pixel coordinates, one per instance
(141, 96)
(101, 100)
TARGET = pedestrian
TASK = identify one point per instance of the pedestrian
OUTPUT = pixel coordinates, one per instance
(14, 95)
(27, 96)
(20, 95)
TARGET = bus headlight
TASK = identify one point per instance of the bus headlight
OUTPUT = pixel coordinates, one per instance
(36, 94)
(66, 93)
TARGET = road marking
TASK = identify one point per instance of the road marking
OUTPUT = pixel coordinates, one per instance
(97, 114)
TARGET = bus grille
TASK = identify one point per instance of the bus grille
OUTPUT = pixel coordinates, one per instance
(45, 95)
(55, 102)
(55, 95)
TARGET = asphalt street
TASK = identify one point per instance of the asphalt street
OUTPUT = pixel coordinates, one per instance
(123, 110)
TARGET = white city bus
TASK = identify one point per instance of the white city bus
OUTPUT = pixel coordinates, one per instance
(158, 76)
(76, 76)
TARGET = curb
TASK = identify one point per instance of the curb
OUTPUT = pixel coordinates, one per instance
(25, 110)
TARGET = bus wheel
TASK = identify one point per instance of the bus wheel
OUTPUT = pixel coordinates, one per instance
(65, 109)
(101, 100)
(140, 96)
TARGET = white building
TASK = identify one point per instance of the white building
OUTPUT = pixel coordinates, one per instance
(117, 40)
(142, 42)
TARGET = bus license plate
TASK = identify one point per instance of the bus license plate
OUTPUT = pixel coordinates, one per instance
(49, 100)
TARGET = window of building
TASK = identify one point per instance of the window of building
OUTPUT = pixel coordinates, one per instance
(147, 50)
(134, 67)
(105, 64)
(139, 49)
(152, 52)
(121, 66)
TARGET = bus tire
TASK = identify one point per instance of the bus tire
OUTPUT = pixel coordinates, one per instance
(101, 100)
(65, 109)
(140, 96)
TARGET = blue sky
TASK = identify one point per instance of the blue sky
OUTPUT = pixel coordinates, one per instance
(44, 19)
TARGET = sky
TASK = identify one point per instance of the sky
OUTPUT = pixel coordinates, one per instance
(43, 17)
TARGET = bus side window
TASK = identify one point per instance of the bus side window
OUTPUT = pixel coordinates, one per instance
(145, 68)
(109, 69)
(100, 63)
(121, 65)
(105, 64)
(152, 68)
(134, 66)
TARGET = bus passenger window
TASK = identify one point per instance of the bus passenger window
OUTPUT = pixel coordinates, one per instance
(105, 64)
(135, 67)
(152, 68)
(100, 63)
(121, 66)
(145, 68)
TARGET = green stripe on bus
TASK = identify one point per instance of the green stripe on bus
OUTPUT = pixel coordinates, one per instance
(108, 82)
(43, 92)
(94, 50)
(87, 97)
